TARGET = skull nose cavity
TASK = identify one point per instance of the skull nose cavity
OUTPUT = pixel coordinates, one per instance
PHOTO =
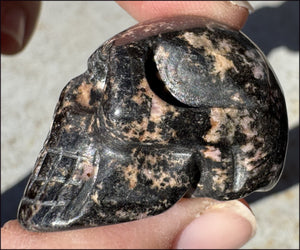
(157, 85)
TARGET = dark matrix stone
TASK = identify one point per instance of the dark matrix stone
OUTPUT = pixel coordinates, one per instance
(166, 109)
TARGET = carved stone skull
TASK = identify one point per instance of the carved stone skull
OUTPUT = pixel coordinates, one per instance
(168, 108)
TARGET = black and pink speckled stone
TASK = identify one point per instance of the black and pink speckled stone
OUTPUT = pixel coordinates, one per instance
(167, 109)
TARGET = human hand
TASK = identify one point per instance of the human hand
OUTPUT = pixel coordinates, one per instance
(19, 18)
(18, 21)
(191, 223)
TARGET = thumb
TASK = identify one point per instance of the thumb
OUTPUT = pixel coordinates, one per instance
(221, 225)
(231, 13)
(190, 223)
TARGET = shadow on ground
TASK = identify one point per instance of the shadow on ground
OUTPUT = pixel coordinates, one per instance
(273, 27)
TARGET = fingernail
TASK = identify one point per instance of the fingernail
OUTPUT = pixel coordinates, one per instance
(227, 224)
(13, 22)
(244, 4)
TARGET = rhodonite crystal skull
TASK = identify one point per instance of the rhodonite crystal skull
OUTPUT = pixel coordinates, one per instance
(166, 109)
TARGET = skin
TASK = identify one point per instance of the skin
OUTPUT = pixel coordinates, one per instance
(180, 226)
(31, 10)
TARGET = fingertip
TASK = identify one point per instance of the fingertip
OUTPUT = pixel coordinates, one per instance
(225, 12)
(18, 21)
(223, 225)
(215, 230)
(13, 21)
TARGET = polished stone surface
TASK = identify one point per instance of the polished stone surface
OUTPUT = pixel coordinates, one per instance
(280, 45)
(168, 108)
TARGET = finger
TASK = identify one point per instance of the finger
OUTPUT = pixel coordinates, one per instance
(190, 221)
(225, 225)
(18, 20)
(222, 11)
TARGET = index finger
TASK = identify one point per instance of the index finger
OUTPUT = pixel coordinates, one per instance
(233, 15)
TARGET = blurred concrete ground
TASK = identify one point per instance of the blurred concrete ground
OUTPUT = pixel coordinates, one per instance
(32, 81)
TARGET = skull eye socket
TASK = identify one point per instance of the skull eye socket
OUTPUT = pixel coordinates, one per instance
(156, 83)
